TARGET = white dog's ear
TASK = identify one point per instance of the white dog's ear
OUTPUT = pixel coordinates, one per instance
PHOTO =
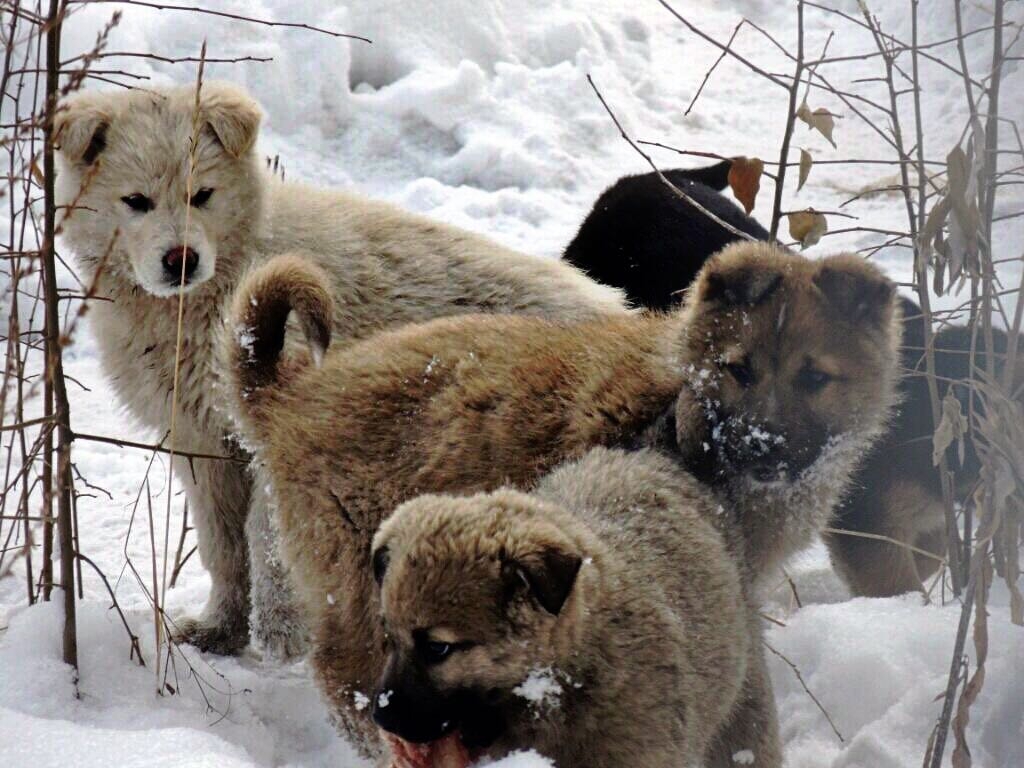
(232, 115)
(80, 128)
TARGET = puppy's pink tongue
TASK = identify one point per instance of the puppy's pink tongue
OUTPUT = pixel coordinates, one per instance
(447, 752)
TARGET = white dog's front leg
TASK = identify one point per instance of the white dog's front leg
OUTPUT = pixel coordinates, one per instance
(277, 622)
(218, 494)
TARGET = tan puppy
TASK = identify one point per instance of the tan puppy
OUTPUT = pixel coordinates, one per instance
(771, 382)
(599, 620)
(125, 168)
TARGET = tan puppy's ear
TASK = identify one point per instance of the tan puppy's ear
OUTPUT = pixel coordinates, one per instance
(855, 290)
(80, 128)
(549, 575)
(741, 285)
(233, 116)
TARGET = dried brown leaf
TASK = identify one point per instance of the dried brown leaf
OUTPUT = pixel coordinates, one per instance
(745, 180)
(952, 427)
(37, 174)
(819, 119)
(806, 161)
(965, 223)
(807, 227)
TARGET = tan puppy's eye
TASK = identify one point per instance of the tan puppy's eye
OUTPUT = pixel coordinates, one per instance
(741, 372)
(812, 379)
(436, 651)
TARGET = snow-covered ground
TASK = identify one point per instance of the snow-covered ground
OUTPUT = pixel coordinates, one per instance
(478, 112)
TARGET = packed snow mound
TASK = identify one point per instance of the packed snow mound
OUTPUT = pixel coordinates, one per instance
(88, 747)
(877, 667)
(452, 101)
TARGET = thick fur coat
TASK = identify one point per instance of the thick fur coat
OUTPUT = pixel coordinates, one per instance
(641, 237)
(609, 588)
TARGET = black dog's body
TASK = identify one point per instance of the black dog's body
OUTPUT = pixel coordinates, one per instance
(645, 239)
(642, 238)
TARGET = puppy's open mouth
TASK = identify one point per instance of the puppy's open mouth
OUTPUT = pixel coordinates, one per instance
(446, 752)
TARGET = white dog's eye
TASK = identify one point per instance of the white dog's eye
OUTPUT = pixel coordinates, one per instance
(138, 202)
(200, 198)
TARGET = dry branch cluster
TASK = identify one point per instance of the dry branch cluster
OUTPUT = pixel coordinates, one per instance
(949, 194)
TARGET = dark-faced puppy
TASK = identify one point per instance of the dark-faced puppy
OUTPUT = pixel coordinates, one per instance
(643, 238)
(786, 362)
(598, 620)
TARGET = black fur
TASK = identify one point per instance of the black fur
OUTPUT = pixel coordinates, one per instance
(410, 706)
(643, 238)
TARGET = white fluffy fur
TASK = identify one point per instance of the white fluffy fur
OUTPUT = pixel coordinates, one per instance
(388, 267)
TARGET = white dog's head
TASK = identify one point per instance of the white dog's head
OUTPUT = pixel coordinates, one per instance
(124, 176)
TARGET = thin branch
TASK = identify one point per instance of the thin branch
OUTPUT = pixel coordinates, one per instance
(233, 16)
(675, 190)
(803, 684)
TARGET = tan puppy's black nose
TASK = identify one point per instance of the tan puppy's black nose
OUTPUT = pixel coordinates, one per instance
(172, 262)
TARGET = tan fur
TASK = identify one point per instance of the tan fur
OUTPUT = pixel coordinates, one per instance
(649, 652)
(463, 405)
(383, 267)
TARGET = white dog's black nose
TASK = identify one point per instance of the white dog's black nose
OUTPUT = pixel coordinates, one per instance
(172, 262)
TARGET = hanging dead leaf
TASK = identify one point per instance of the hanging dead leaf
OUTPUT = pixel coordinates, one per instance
(37, 174)
(806, 161)
(745, 180)
(820, 120)
(952, 427)
(934, 249)
(807, 227)
(957, 170)
(965, 223)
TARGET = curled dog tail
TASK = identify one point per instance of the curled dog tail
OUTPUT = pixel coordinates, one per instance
(262, 304)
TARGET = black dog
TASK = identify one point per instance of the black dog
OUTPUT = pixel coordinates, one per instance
(644, 239)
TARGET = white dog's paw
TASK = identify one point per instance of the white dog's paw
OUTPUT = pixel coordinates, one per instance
(226, 639)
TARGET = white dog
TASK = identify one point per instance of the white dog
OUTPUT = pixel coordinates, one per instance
(124, 179)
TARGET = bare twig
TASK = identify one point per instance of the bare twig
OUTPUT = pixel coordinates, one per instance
(233, 16)
(803, 684)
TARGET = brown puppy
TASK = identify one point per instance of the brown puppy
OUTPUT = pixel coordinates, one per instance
(897, 493)
(600, 620)
(774, 378)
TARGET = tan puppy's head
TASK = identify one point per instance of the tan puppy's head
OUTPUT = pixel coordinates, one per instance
(124, 185)
(789, 359)
(478, 596)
